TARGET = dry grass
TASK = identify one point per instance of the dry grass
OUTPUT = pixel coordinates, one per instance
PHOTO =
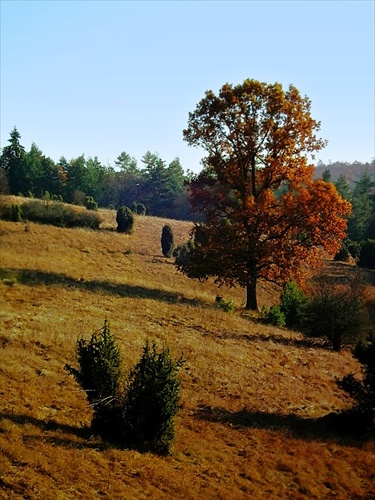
(253, 395)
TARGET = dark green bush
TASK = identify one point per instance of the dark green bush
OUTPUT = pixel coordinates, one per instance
(362, 390)
(349, 249)
(57, 197)
(354, 248)
(179, 253)
(225, 305)
(125, 220)
(343, 254)
(99, 375)
(335, 313)
(293, 303)
(367, 254)
(138, 413)
(152, 400)
(11, 212)
(90, 203)
(167, 241)
(141, 209)
(273, 316)
(134, 207)
(16, 213)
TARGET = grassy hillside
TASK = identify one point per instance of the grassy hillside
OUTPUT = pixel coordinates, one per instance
(253, 395)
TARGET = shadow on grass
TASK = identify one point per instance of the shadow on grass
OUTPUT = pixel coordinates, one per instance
(313, 343)
(81, 436)
(345, 427)
(34, 277)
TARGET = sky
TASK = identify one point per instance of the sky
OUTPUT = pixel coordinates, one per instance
(101, 77)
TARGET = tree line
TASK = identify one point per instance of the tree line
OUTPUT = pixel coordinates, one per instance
(361, 221)
(161, 188)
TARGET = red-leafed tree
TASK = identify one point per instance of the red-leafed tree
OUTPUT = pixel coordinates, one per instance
(265, 216)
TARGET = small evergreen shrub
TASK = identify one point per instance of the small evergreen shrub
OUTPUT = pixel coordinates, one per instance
(293, 303)
(134, 207)
(362, 391)
(125, 220)
(11, 212)
(57, 197)
(90, 203)
(167, 241)
(273, 316)
(152, 400)
(99, 375)
(16, 213)
(138, 413)
(180, 253)
(141, 209)
(354, 248)
(225, 305)
(343, 254)
(349, 249)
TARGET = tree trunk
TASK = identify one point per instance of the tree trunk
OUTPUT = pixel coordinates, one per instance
(251, 296)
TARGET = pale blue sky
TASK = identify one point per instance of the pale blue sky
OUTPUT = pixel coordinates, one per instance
(102, 77)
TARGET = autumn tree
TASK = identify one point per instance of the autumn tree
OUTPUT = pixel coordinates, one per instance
(265, 215)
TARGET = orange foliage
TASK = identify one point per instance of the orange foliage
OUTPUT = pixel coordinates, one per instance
(266, 216)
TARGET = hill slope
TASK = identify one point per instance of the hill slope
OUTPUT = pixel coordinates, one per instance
(253, 396)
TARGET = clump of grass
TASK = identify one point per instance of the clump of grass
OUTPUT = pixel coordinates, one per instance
(59, 214)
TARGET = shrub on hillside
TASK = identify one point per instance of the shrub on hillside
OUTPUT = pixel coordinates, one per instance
(152, 399)
(349, 250)
(362, 390)
(179, 253)
(133, 207)
(138, 412)
(225, 305)
(16, 213)
(90, 203)
(343, 254)
(52, 212)
(11, 212)
(167, 241)
(274, 316)
(336, 313)
(293, 303)
(141, 209)
(99, 375)
(125, 220)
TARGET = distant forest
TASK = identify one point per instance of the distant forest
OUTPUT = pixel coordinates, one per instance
(162, 189)
(351, 171)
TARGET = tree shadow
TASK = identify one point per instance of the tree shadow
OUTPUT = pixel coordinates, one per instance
(34, 277)
(81, 437)
(308, 342)
(346, 427)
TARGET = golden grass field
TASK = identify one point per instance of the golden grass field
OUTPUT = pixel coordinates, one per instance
(253, 395)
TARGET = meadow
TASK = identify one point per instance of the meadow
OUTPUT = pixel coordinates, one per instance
(254, 397)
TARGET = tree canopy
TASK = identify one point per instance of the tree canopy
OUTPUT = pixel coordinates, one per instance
(265, 215)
